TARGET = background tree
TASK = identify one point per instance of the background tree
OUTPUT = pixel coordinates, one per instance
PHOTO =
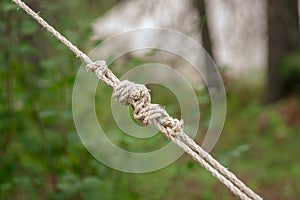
(206, 42)
(283, 40)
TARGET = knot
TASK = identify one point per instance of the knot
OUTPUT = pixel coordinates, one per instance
(173, 127)
(99, 67)
(138, 96)
(129, 93)
(148, 113)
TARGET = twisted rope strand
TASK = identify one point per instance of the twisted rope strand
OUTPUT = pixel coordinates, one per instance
(128, 93)
(49, 28)
(234, 189)
(109, 78)
(218, 166)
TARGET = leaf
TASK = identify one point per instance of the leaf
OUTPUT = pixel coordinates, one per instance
(28, 27)
(69, 183)
(25, 48)
(91, 187)
(47, 113)
(295, 171)
(8, 6)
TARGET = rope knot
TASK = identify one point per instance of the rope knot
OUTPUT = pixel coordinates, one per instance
(129, 93)
(171, 127)
(138, 96)
(99, 67)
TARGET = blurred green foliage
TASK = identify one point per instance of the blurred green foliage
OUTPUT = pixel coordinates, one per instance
(42, 156)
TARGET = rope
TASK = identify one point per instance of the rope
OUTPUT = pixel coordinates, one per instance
(138, 96)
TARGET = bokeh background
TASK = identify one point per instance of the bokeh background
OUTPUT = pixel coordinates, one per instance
(255, 45)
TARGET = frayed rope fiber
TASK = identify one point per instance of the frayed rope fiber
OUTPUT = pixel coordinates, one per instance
(138, 96)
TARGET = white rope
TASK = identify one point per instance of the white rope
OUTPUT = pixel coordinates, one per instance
(212, 170)
(138, 96)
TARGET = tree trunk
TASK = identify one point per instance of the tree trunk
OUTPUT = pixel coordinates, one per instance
(283, 39)
(206, 42)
